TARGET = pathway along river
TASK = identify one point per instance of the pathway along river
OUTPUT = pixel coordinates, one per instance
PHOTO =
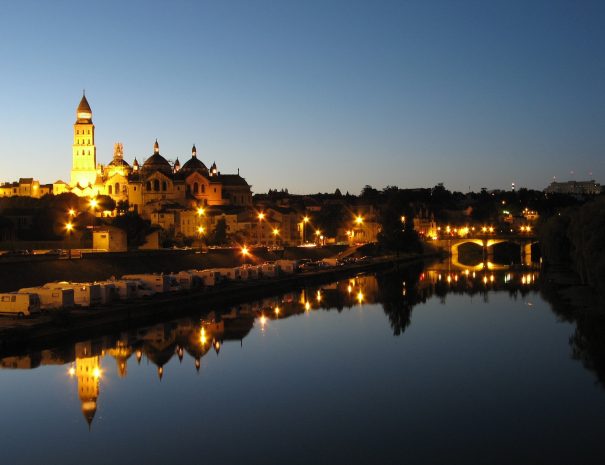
(421, 365)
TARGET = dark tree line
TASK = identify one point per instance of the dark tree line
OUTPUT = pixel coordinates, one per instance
(576, 238)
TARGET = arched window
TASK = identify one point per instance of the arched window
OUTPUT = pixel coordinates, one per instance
(117, 188)
(109, 190)
(148, 185)
(156, 185)
(195, 188)
(203, 188)
(164, 185)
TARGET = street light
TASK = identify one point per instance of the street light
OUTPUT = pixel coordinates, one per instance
(69, 227)
(359, 220)
(71, 212)
(93, 205)
(317, 234)
(200, 228)
(275, 234)
(245, 253)
(261, 217)
(304, 225)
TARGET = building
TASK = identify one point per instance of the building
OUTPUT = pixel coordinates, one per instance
(148, 188)
(574, 188)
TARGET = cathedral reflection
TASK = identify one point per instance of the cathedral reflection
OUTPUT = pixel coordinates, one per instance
(190, 339)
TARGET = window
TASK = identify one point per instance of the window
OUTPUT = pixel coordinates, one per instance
(148, 185)
(164, 186)
(156, 185)
(203, 188)
(195, 188)
(215, 190)
(135, 189)
(117, 187)
(109, 190)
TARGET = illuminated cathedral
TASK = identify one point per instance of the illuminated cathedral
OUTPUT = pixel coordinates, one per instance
(148, 187)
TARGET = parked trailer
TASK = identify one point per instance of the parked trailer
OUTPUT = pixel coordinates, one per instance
(126, 289)
(187, 279)
(252, 271)
(287, 266)
(269, 270)
(231, 274)
(85, 294)
(209, 278)
(109, 291)
(51, 295)
(158, 282)
(19, 304)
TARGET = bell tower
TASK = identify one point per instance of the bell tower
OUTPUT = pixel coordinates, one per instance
(84, 152)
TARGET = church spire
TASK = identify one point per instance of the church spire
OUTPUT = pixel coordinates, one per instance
(156, 147)
(193, 151)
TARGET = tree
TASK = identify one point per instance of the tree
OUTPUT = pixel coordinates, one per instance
(219, 234)
(397, 225)
(136, 228)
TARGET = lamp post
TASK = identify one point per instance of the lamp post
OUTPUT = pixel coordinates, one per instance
(275, 235)
(261, 217)
(304, 225)
(317, 234)
(69, 228)
(200, 228)
(93, 205)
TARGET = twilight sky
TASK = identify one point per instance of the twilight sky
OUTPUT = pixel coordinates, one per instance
(312, 94)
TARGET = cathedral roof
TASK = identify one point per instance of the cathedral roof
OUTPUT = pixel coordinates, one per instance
(232, 180)
(192, 165)
(119, 162)
(156, 162)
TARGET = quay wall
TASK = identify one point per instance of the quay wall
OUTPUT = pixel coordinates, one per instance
(19, 272)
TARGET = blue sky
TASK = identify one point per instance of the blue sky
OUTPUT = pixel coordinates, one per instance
(312, 95)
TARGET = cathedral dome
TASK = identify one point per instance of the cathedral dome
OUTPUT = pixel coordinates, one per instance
(192, 165)
(156, 162)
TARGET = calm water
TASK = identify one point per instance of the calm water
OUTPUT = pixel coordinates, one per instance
(420, 366)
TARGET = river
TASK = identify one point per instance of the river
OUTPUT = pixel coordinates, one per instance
(420, 366)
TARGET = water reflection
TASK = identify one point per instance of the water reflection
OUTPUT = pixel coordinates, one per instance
(397, 291)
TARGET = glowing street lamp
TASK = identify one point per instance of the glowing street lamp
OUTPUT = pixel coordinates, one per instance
(261, 217)
(275, 234)
(245, 252)
(69, 227)
(200, 230)
(304, 225)
(71, 212)
(359, 220)
(200, 211)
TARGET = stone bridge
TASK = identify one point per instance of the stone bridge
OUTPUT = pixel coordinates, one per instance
(487, 244)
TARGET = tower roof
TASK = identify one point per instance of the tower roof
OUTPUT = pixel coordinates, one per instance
(84, 105)
(84, 112)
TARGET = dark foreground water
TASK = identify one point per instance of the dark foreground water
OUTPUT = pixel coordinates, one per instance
(418, 366)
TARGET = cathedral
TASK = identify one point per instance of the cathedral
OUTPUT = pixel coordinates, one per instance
(148, 188)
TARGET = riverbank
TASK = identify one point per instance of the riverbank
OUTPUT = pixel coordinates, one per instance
(75, 324)
(37, 270)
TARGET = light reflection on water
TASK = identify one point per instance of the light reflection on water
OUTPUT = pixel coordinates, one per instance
(329, 374)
